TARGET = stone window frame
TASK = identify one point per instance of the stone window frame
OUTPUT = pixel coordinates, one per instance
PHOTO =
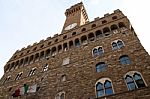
(32, 72)
(131, 74)
(116, 42)
(97, 47)
(102, 81)
(18, 76)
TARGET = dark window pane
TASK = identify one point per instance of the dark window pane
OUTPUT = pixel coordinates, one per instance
(108, 91)
(125, 60)
(99, 86)
(131, 86)
(100, 51)
(120, 44)
(100, 93)
(139, 81)
(114, 45)
(107, 84)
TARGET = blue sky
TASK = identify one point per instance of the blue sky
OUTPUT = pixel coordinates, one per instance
(23, 22)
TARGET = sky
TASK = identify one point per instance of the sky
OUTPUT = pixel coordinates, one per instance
(24, 22)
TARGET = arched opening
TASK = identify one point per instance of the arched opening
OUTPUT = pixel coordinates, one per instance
(36, 57)
(7, 68)
(47, 53)
(83, 29)
(106, 31)
(53, 51)
(84, 39)
(124, 60)
(59, 48)
(42, 55)
(113, 27)
(70, 44)
(121, 25)
(17, 64)
(65, 46)
(91, 36)
(77, 42)
(31, 59)
(114, 17)
(65, 37)
(21, 62)
(99, 33)
(93, 25)
(74, 33)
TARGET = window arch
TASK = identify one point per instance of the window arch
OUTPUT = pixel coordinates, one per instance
(36, 57)
(18, 76)
(124, 60)
(117, 44)
(7, 79)
(77, 42)
(98, 51)
(106, 31)
(42, 55)
(31, 59)
(53, 51)
(134, 80)
(91, 36)
(47, 53)
(32, 72)
(26, 61)
(99, 33)
(59, 48)
(83, 29)
(65, 46)
(113, 27)
(101, 66)
(70, 44)
(104, 87)
(93, 25)
(84, 39)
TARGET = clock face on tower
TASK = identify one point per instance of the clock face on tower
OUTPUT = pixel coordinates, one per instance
(71, 26)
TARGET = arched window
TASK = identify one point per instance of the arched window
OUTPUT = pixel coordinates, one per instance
(99, 33)
(83, 29)
(70, 44)
(47, 53)
(84, 39)
(93, 25)
(42, 55)
(91, 37)
(77, 42)
(106, 31)
(26, 61)
(121, 25)
(53, 51)
(99, 89)
(117, 44)
(32, 72)
(130, 83)
(124, 60)
(101, 67)
(97, 51)
(113, 27)
(18, 76)
(108, 88)
(31, 59)
(100, 51)
(36, 57)
(104, 87)
(134, 80)
(65, 46)
(59, 48)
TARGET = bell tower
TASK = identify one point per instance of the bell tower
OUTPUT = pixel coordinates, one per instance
(75, 16)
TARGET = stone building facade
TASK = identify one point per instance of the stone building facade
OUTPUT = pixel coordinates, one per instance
(101, 59)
